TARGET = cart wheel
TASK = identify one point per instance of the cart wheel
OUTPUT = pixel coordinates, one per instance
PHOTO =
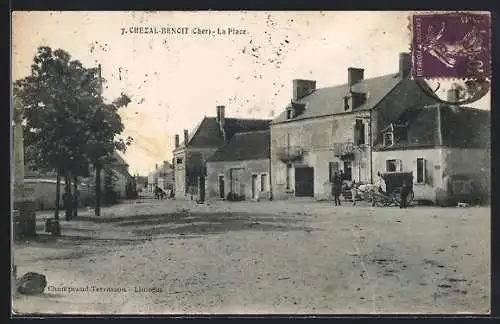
(409, 200)
(377, 202)
(396, 195)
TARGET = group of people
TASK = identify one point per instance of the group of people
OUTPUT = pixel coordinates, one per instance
(339, 186)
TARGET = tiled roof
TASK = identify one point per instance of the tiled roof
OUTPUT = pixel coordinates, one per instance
(208, 133)
(245, 146)
(461, 127)
(330, 100)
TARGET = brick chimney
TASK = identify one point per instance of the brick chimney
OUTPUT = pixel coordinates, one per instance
(302, 88)
(404, 65)
(354, 75)
(221, 120)
(176, 140)
(221, 116)
(186, 137)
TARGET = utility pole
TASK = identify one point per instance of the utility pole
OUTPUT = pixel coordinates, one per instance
(98, 165)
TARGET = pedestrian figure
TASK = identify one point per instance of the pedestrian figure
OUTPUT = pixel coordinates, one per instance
(405, 192)
(353, 192)
(336, 188)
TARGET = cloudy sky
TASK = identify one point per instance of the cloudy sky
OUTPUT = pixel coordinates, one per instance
(176, 80)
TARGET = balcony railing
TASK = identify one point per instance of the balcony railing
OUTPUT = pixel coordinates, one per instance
(342, 149)
(290, 153)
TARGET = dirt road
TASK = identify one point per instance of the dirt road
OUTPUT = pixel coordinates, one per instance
(165, 257)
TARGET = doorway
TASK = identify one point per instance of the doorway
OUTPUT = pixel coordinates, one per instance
(348, 170)
(202, 189)
(254, 186)
(221, 187)
(304, 182)
(237, 184)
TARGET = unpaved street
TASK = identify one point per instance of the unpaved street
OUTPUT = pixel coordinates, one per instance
(164, 257)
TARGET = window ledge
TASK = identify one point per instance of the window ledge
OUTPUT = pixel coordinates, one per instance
(289, 191)
(420, 184)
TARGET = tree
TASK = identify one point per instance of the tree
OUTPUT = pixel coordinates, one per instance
(55, 100)
(68, 125)
(102, 137)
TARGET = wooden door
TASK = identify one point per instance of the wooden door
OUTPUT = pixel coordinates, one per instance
(304, 182)
(221, 187)
(254, 186)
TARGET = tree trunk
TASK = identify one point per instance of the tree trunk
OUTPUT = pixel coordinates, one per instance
(75, 196)
(58, 195)
(98, 190)
(68, 201)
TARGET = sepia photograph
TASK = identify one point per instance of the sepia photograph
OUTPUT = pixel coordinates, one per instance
(250, 162)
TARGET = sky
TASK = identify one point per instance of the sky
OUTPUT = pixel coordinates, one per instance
(175, 80)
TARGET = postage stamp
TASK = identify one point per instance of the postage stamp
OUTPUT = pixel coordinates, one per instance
(451, 45)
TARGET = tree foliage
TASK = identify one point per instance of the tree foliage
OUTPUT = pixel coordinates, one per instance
(68, 125)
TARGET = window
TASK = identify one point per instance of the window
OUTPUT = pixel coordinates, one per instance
(388, 138)
(179, 161)
(263, 182)
(289, 114)
(420, 170)
(394, 165)
(359, 132)
(288, 176)
(346, 103)
(333, 167)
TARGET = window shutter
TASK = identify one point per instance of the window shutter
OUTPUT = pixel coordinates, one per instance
(414, 169)
(356, 132)
(426, 180)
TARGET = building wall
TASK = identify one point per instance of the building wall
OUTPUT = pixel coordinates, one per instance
(187, 174)
(249, 168)
(317, 137)
(44, 191)
(441, 163)
(180, 173)
(433, 169)
(474, 164)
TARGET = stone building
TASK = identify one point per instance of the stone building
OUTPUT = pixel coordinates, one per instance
(241, 168)
(162, 177)
(447, 148)
(324, 130)
(210, 134)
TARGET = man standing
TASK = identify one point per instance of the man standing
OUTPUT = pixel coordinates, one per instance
(336, 187)
(405, 192)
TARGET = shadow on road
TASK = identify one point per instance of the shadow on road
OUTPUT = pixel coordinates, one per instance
(186, 223)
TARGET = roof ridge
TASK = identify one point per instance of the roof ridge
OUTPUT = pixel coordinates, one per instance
(361, 81)
(252, 132)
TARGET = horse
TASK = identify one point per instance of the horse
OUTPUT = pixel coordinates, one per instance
(159, 193)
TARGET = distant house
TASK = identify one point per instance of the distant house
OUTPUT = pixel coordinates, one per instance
(142, 182)
(210, 134)
(117, 172)
(446, 147)
(325, 130)
(241, 168)
(43, 184)
(162, 177)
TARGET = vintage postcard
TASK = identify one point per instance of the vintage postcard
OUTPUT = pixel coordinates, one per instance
(251, 162)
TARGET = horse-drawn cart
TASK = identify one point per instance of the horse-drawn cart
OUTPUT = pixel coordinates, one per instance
(392, 196)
